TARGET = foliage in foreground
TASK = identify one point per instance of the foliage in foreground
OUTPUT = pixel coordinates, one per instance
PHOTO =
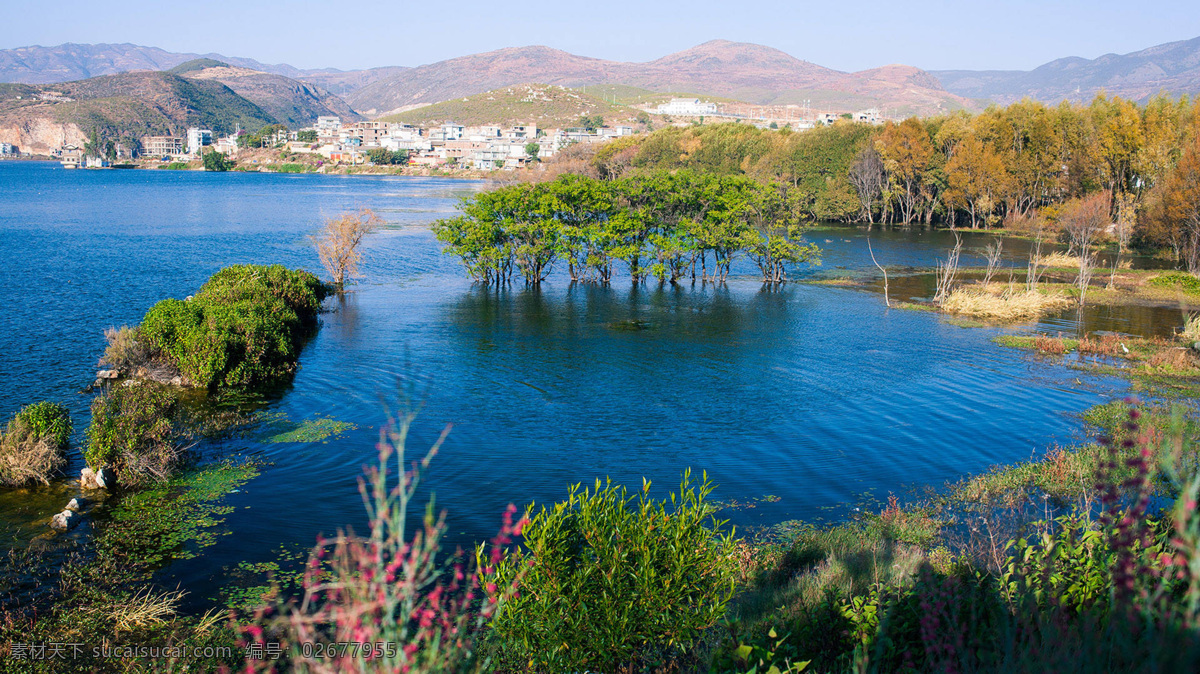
(388, 591)
(33, 444)
(1112, 585)
(608, 580)
(243, 328)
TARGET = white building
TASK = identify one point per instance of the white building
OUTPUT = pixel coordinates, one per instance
(8, 148)
(870, 116)
(197, 139)
(448, 132)
(687, 106)
(405, 137)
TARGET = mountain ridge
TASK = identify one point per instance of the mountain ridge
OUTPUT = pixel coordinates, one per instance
(1173, 67)
(748, 72)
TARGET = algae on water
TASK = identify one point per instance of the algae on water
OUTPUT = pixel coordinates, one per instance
(278, 428)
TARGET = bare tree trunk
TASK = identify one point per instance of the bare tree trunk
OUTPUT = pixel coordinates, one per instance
(886, 300)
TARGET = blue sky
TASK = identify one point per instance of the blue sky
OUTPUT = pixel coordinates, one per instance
(932, 34)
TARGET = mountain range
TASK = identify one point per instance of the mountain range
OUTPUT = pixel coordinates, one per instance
(1173, 67)
(110, 85)
(736, 70)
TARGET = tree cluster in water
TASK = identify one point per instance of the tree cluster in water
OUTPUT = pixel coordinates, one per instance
(660, 224)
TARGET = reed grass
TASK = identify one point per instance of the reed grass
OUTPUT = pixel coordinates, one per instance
(1001, 303)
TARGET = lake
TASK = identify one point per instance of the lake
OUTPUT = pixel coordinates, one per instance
(795, 400)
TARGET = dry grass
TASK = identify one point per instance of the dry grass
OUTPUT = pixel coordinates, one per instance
(1057, 259)
(143, 609)
(1055, 345)
(126, 351)
(1002, 303)
(1191, 327)
(1175, 358)
(25, 459)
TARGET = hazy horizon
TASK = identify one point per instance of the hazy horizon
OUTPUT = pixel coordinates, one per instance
(929, 34)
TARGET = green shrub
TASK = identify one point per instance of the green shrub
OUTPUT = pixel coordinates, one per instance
(300, 290)
(1177, 279)
(243, 328)
(46, 420)
(607, 579)
(133, 431)
(33, 444)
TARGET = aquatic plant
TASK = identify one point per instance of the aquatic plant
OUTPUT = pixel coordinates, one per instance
(103, 595)
(1188, 283)
(607, 580)
(33, 444)
(319, 429)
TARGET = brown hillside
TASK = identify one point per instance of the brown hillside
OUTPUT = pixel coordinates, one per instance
(734, 70)
(290, 101)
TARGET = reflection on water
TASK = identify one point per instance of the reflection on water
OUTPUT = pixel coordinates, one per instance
(812, 394)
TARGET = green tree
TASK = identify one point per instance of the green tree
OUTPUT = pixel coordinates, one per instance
(591, 122)
(216, 161)
(384, 157)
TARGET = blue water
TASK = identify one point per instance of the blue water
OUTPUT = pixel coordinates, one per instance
(811, 394)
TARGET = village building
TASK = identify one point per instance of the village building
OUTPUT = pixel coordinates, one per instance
(197, 139)
(162, 146)
(686, 107)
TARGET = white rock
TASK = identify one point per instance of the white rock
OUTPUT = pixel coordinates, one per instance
(78, 503)
(107, 374)
(97, 479)
(64, 521)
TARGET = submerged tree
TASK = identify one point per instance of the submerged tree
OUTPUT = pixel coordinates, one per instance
(669, 225)
(337, 244)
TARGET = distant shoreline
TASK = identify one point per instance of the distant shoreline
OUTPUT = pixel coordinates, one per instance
(417, 172)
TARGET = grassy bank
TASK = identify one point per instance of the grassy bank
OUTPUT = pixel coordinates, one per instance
(1157, 367)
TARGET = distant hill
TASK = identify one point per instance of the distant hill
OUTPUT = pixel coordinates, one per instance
(124, 106)
(289, 101)
(547, 106)
(736, 70)
(70, 62)
(341, 83)
(1173, 67)
(197, 64)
